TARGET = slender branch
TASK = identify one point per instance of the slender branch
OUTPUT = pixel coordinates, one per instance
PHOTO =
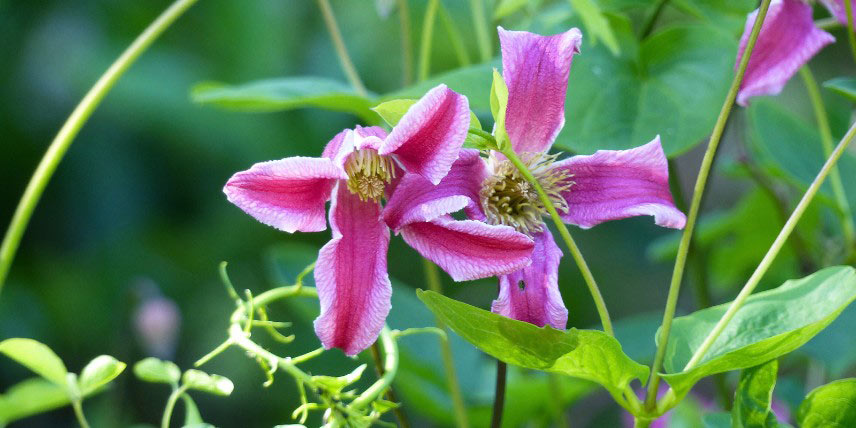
(78, 413)
(341, 50)
(390, 394)
(432, 277)
(566, 236)
(71, 127)
(480, 25)
(427, 38)
(773, 251)
(827, 141)
(170, 405)
(499, 395)
(698, 192)
(454, 36)
(406, 51)
(851, 36)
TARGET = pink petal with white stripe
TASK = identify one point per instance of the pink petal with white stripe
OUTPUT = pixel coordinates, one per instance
(428, 138)
(414, 197)
(351, 276)
(288, 194)
(469, 249)
(532, 294)
(616, 184)
(536, 69)
(788, 40)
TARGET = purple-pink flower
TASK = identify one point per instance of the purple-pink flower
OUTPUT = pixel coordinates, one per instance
(359, 168)
(587, 190)
(837, 9)
(787, 41)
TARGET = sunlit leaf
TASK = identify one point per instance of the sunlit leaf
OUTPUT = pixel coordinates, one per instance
(154, 370)
(285, 93)
(829, 406)
(498, 105)
(31, 397)
(212, 384)
(37, 357)
(596, 25)
(99, 372)
(586, 354)
(754, 396)
(770, 324)
(844, 86)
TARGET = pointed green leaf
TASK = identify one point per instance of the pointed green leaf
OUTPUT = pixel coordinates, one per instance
(754, 396)
(844, 86)
(770, 324)
(36, 357)
(586, 354)
(334, 384)
(829, 406)
(31, 397)
(285, 93)
(597, 27)
(158, 371)
(393, 110)
(99, 372)
(498, 105)
(212, 384)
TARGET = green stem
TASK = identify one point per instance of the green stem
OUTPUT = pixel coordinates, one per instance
(566, 236)
(341, 50)
(773, 251)
(480, 25)
(170, 405)
(406, 52)
(403, 422)
(71, 127)
(427, 38)
(390, 367)
(78, 413)
(827, 141)
(499, 395)
(695, 204)
(432, 277)
(851, 36)
(454, 36)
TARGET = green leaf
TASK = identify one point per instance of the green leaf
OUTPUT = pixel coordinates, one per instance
(829, 406)
(31, 397)
(586, 354)
(844, 86)
(191, 412)
(36, 357)
(335, 385)
(158, 371)
(597, 27)
(393, 110)
(770, 324)
(507, 7)
(285, 93)
(717, 420)
(472, 82)
(212, 384)
(754, 395)
(498, 104)
(99, 372)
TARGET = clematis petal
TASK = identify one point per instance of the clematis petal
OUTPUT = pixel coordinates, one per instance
(288, 194)
(536, 68)
(616, 184)
(353, 284)
(837, 9)
(469, 249)
(416, 199)
(428, 138)
(343, 145)
(538, 301)
(787, 41)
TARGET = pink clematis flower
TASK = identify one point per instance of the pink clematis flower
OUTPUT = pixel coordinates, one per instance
(787, 41)
(587, 190)
(357, 170)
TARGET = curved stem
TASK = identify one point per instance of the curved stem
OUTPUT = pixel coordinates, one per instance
(432, 277)
(480, 26)
(341, 50)
(390, 367)
(78, 413)
(170, 405)
(403, 422)
(773, 251)
(569, 241)
(406, 52)
(695, 205)
(851, 36)
(826, 139)
(71, 127)
(499, 395)
(427, 38)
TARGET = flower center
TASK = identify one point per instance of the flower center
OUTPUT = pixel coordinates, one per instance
(368, 174)
(508, 199)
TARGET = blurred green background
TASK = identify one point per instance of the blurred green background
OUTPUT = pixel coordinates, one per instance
(136, 208)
